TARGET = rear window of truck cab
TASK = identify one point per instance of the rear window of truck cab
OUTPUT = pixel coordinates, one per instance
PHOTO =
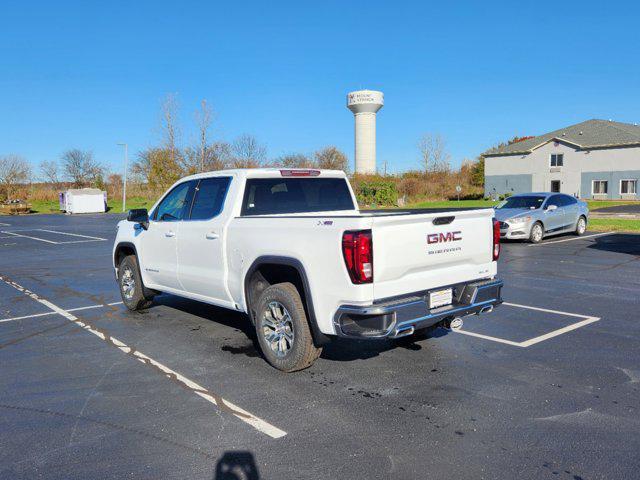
(264, 196)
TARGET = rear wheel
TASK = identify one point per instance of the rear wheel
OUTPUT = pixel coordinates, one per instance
(581, 226)
(282, 329)
(133, 292)
(537, 233)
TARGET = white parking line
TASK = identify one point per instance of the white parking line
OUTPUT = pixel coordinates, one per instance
(71, 234)
(225, 405)
(569, 239)
(532, 341)
(87, 237)
(32, 238)
(5, 224)
(44, 314)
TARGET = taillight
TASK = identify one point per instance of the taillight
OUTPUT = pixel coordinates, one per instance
(357, 249)
(496, 239)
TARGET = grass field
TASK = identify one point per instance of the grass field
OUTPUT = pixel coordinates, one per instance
(614, 225)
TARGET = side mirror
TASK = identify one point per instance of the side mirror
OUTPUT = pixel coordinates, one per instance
(140, 216)
(551, 208)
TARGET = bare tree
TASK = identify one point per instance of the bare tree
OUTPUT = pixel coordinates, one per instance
(218, 156)
(49, 171)
(169, 126)
(141, 167)
(81, 167)
(247, 152)
(204, 117)
(14, 170)
(433, 154)
(294, 160)
(331, 158)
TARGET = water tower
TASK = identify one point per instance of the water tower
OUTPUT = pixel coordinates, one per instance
(364, 104)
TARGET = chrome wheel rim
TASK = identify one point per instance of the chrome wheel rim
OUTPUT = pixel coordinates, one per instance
(128, 283)
(277, 328)
(581, 225)
(537, 233)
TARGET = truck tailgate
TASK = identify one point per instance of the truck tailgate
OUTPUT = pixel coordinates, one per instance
(412, 253)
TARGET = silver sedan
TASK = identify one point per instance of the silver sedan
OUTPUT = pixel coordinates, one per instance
(533, 216)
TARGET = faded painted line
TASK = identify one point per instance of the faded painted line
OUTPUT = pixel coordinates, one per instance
(27, 236)
(532, 341)
(89, 307)
(225, 405)
(71, 234)
(569, 239)
(5, 224)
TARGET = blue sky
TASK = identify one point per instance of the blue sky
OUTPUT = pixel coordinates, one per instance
(89, 74)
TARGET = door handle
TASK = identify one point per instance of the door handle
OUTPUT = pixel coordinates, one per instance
(170, 233)
(212, 235)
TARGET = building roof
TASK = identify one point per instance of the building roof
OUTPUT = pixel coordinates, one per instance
(586, 135)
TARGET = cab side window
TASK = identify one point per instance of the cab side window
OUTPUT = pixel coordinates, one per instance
(209, 198)
(176, 204)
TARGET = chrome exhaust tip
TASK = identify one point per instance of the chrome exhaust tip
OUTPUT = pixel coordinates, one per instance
(456, 323)
(403, 332)
(452, 323)
(487, 309)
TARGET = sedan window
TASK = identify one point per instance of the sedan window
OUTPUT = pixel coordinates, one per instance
(527, 202)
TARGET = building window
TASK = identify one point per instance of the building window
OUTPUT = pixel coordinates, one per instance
(600, 187)
(555, 186)
(557, 159)
(628, 187)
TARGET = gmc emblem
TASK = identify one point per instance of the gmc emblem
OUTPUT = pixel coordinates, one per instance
(444, 237)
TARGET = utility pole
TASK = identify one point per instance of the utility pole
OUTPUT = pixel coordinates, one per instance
(124, 178)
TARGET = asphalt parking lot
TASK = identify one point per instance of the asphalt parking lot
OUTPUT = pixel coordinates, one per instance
(544, 387)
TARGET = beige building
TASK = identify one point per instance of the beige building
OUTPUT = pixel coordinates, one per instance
(596, 159)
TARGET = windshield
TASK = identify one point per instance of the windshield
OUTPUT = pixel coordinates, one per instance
(522, 202)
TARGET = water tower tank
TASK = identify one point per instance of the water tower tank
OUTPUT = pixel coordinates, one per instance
(364, 104)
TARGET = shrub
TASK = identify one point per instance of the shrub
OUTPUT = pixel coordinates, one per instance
(377, 192)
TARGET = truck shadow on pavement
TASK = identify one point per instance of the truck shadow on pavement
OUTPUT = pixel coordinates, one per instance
(627, 243)
(339, 349)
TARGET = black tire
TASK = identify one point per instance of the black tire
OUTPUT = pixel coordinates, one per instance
(580, 228)
(133, 292)
(288, 324)
(534, 237)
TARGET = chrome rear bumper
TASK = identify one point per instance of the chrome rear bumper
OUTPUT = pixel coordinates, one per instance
(399, 317)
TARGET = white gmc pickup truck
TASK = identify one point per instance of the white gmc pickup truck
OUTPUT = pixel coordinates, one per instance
(290, 248)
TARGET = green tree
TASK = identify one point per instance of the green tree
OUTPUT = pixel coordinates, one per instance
(477, 173)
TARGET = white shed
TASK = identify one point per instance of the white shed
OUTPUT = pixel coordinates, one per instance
(83, 200)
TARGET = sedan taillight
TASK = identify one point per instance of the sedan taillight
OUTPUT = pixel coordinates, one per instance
(357, 249)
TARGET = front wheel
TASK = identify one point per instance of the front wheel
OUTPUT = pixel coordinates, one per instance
(537, 233)
(581, 226)
(132, 290)
(282, 329)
